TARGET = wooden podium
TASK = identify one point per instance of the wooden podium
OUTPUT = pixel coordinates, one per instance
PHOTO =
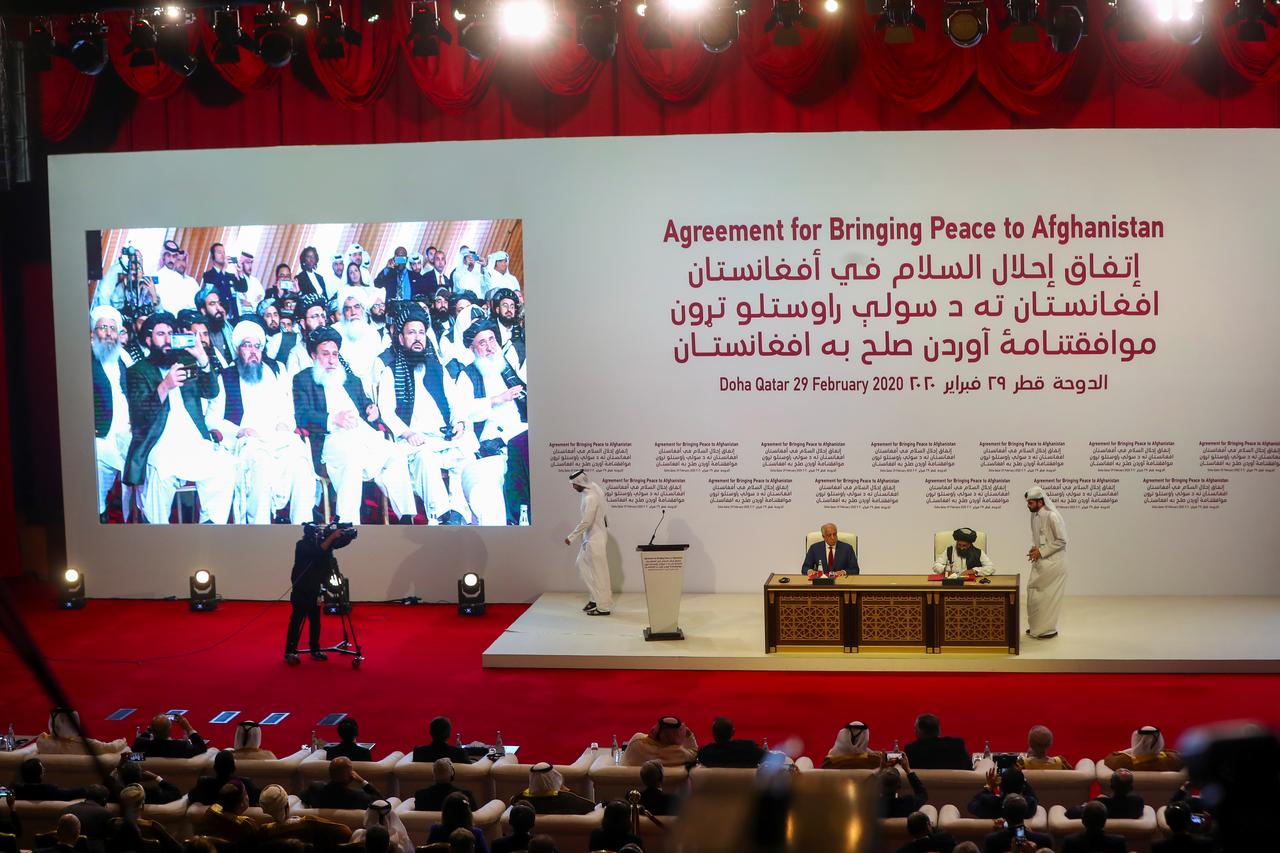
(663, 567)
(898, 613)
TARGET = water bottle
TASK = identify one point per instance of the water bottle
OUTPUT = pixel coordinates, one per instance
(896, 748)
(137, 733)
(457, 739)
(524, 515)
(497, 745)
(766, 744)
(9, 740)
(315, 741)
(986, 749)
(616, 751)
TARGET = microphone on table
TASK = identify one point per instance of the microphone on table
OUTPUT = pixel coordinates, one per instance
(656, 526)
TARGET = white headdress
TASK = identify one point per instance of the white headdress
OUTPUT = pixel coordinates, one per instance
(64, 723)
(1146, 741)
(248, 733)
(105, 312)
(248, 330)
(851, 740)
(544, 779)
(1035, 493)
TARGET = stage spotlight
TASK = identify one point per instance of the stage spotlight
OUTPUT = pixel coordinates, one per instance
(718, 29)
(965, 21)
(525, 20)
(203, 591)
(88, 45)
(597, 28)
(1251, 15)
(1126, 16)
(41, 45)
(1185, 20)
(71, 590)
(141, 48)
(786, 15)
(373, 10)
(173, 12)
(897, 20)
(471, 595)
(831, 6)
(332, 31)
(641, 8)
(425, 30)
(337, 595)
(1023, 16)
(273, 39)
(173, 48)
(1066, 27)
(479, 37)
(228, 37)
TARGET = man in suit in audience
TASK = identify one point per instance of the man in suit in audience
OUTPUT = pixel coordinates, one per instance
(156, 790)
(989, 802)
(224, 770)
(33, 786)
(346, 747)
(931, 751)
(895, 804)
(1002, 840)
(440, 729)
(340, 791)
(724, 751)
(92, 813)
(65, 837)
(830, 555)
(1094, 839)
(652, 797)
(431, 798)
(521, 821)
(158, 742)
(924, 838)
(1178, 817)
(1121, 803)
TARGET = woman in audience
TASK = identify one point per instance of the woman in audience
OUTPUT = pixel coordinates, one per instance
(456, 814)
(381, 814)
(614, 830)
(126, 833)
(323, 835)
(850, 750)
(248, 743)
(1147, 753)
(63, 737)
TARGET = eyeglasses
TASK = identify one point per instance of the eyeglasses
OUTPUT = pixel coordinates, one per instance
(251, 344)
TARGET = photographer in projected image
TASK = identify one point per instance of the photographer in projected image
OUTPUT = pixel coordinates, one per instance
(313, 564)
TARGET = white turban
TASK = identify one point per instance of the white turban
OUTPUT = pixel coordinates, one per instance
(248, 733)
(544, 779)
(247, 330)
(340, 257)
(1147, 741)
(355, 247)
(105, 312)
(1035, 493)
(415, 258)
(275, 802)
(851, 740)
(363, 295)
(64, 723)
(495, 257)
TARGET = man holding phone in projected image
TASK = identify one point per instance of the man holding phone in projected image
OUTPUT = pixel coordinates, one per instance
(171, 442)
(225, 281)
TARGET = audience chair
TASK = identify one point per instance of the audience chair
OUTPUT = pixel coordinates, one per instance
(11, 761)
(893, 830)
(569, 832)
(951, 787)
(197, 811)
(39, 817)
(381, 773)
(418, 824)
(182, 772)
(814, 536)
(274, 771)
(510, 777)
(8, 842)
(1063, 787)
(49, 839)
(1138, 834)
(965, 828)
(1156, 787)
(477, 778)
(655, 837)
(612, 782)
(352, 818)
(76, 771)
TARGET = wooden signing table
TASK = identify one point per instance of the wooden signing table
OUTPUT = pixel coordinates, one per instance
(896, 613)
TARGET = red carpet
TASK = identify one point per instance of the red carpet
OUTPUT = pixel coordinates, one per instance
(425, 660)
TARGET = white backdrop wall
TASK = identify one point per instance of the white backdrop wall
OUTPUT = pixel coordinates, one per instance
(624, 375)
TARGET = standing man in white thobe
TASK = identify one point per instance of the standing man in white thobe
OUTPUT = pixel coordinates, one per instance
(591, 562)
(1048, 557)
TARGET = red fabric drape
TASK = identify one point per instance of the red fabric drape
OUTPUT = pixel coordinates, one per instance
(564, 67)
(452, 81)
(677, 73)
(1257, 61)
(154, 82)
(796, 68)
(64, 98)
(1150, 62)
(922, 75)
(360, 77)
(250, 72)
(1022, 76)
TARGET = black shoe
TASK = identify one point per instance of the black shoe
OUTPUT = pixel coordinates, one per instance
(452, 517)
(404, 519)
(292, 659)
(596, 611)
(591, 605)
(319, 656)
(1048, 636)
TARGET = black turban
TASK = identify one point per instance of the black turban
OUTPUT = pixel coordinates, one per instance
(320, 335)
(156, 319)
(187, 316)
(304, 302)
(965, 534)
(476, 328)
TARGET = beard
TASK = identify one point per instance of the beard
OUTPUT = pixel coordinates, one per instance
(506, 321)
(415, 356)
(440, 315)
(216, 322)
(105, 352)
(164, 358)
(355, 330)
(272, 329)
(378, 317)
(329, 377)
(250, 373)
(491, 366)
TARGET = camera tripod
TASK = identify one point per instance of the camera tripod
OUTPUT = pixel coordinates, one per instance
(349, 645)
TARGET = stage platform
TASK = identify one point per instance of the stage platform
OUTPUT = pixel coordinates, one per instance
(726, 632)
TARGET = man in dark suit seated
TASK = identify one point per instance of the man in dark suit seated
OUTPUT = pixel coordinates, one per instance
(431, 798)
(1178, 817)
(895, 804)
(931, 751)
(65, 837)
(924, 838)
(1121, 803)
(93, 814)
(1001, 841)
(1094, 839)
(652, 797)
(338, 792)
(346, 747)
(224, 771)
(157, 741)
(521, 821)
(33, 786)
(440, 747)
(989, 802)
(724, 751)
(830, 555)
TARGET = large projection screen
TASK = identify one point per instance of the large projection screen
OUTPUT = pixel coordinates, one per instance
(899, 333)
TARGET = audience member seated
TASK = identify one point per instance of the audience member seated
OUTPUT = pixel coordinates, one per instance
(338, 792)
(346, 747)
(248, 743)
(892, 802)
(10, 823)
(456, 814)
(543, 844)
(199, 844)
(1121, 803)
(652, 797)
(158, 741)
(377, 840)
(931, 751)
(431, 798)
(33, 787)
(224, 771)
(226, 818)
(1147, 753)
(440, 729)
(850, 750)
(380, 815)
(724, 751)
(1182, 840)
(1014, 814)
(92, 812)
(1094, 839)
(548, 795)
(968, 847)
(63, 737)
(1037, 756)
(521, 819)
(158, 791)
(924, 838)
(669, 741)
(323, 835)
(461, 841)
(65, 836)
(614, 830)
(989, 802)
(125, 833)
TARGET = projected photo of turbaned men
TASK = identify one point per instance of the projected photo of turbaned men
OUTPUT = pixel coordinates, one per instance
(372, 373)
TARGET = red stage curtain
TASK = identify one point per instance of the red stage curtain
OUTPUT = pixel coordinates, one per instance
(360, 77)
(676, 73)
(452, 81)
(1149, 63)
(563, 66)
(1258, 61)
(64, 95)
(154, 82)
(1022, 76)
(922, 75)
(250, 72)
(796, 68)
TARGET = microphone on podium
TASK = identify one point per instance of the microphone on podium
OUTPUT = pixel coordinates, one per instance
(656, 526)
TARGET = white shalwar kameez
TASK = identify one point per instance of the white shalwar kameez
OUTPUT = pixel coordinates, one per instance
(182, 454)
(358, 453)
(483, 479)
(1049, 573)
(591, 562)
(113, 447)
